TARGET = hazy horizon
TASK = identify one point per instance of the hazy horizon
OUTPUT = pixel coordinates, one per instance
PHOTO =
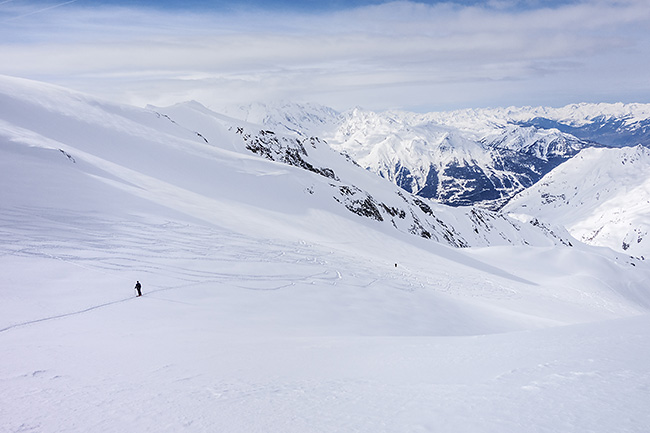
(418, 56)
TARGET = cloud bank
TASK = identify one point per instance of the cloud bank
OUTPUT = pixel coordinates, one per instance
(392, 55)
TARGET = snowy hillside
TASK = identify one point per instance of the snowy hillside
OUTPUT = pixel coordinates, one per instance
(362, 193)
(268, 305)
(602, 196)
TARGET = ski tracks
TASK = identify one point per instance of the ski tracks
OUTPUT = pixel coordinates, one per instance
(60, 316)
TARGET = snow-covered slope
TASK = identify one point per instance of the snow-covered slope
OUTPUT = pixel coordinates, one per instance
(343, 182)
(602, 196)
(270, 308)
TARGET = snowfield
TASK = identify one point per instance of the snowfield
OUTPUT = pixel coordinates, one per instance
(269, 307)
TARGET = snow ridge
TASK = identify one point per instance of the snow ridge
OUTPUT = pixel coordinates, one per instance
(602, 196)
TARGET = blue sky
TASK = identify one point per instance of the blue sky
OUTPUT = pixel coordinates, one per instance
(420, 56)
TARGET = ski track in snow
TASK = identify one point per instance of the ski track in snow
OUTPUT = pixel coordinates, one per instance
(118, 247)
(171, 256)
(59, 316)
(189, 255)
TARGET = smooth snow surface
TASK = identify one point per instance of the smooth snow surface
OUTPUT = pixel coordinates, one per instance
(269, 308)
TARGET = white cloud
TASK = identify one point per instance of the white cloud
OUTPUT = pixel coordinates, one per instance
(398, 54)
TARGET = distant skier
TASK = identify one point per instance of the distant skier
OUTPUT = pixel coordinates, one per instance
(138, 288)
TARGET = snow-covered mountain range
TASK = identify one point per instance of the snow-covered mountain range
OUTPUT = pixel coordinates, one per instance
(613, 125)
(289, 289)
(481, 156)
(456, 166)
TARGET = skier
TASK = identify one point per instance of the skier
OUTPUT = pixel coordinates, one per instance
(138, 288)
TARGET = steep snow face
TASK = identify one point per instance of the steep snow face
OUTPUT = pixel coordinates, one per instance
(602, 196)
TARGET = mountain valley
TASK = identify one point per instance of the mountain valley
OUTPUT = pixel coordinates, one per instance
(287, 287)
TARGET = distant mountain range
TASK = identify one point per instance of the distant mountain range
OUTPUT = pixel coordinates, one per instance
(463, 157)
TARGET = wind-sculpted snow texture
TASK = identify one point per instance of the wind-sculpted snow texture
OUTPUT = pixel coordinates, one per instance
(277, 298)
